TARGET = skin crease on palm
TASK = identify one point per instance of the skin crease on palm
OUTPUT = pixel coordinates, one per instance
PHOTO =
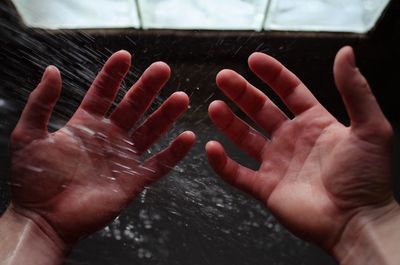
(77, 179)
(316, 175)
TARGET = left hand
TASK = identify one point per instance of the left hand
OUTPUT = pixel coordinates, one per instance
(74, 181)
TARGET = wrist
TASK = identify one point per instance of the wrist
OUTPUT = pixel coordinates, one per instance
(29, 239)
(370, 237)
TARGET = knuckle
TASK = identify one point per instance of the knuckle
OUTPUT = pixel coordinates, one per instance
(385, 130)
(381, 132)
(17, 135)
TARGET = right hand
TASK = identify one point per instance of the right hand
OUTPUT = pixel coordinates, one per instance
(316, 175)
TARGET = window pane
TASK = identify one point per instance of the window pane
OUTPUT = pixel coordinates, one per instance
(324, 15)
(373, 10)
(56, 14)
(203, 14)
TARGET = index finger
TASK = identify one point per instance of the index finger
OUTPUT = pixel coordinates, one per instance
(104, 88)
(287, 85)
(139, 98)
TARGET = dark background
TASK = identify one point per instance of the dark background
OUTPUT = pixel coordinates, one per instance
(190, 217)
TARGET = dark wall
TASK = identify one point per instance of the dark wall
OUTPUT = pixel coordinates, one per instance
(191, 217)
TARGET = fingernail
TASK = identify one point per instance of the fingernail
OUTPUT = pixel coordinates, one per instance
(352, 58)
(45, 73)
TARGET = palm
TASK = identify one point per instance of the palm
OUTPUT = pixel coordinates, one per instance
(310, 190)
(83, 175)
(314, 172)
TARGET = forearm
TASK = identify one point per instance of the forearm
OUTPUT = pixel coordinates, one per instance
(23, 241)
(371, 238)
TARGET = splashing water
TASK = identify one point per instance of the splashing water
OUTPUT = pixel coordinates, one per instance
(190, 216)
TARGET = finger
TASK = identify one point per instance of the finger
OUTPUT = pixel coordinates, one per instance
(160, 121)
(244, 136)
(288, 86)
(161, 163)
(229, 170)
(141, 95)
(251, 100)
(360, 103)
(36, 114)
(104, 88)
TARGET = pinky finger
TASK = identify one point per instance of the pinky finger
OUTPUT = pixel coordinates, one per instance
(161, 163)
(228, 169)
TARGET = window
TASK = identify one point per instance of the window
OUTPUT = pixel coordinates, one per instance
(357, 16)
(203, 14)
(66, 14)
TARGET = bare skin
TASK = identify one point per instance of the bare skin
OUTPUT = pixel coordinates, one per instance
(326, 182)
(72, 182)
(317, 176)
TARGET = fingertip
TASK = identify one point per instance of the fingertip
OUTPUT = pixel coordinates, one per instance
(351, 56)
(345, 57)
(257, 60)
(118, 63)
(209, 145)
(346, 49)
(213, 147)
(219, 113)
(52, 69)
(51, 78)
(50, 72)
(223, 76)
(344, 68)
(123, 55)
(176, 105)
(125, 52)
(215, 154)
(156, 75)
(181, 98)
(211, 106)
(214, 106)
(228, 78)
(224, 72)
(189, 136)
(255, 56)
(219, 76)
(162, 68)
(183, 143)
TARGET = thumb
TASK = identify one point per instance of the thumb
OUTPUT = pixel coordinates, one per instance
(38, 109)
(361, 104)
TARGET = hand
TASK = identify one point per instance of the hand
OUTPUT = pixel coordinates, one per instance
(74, 181)
(316, 175)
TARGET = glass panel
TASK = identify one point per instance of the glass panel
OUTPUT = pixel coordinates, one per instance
(203, 14)
(373, 11)
(56, 14)
(324, 15)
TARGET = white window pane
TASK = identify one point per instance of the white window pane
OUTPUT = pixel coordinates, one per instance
(373, 11)
(324, 15)
(56, 14)
(203, 14)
